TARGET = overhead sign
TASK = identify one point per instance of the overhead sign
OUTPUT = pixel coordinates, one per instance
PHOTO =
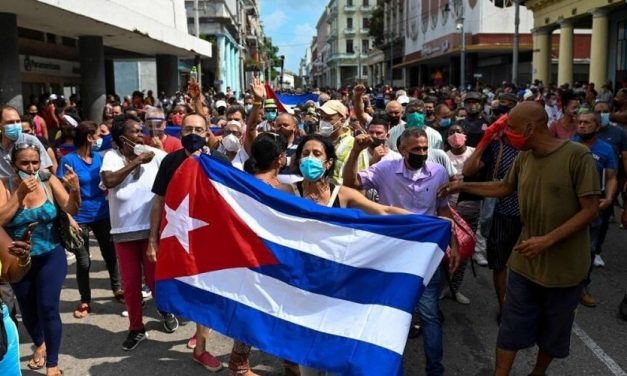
(429, 49)
(49, 66)
(478, 75)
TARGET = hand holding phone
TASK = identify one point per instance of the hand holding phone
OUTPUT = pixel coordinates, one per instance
(29, 231)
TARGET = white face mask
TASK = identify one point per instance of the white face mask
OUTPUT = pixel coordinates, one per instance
(327, 128)
(231, 143)
(139, 149)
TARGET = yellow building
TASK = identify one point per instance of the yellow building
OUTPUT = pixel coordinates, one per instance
(607, 20)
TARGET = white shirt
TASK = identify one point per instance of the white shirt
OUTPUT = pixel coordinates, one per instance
(131, 201)
(389, 156)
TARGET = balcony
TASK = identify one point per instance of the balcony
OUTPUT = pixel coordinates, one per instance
(333, 33)
(350, 8)
(349, 31)
(333, 11)
(366, 8)
(364, 31)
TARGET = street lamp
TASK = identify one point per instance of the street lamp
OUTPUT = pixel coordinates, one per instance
(462, 54)
(282, 65)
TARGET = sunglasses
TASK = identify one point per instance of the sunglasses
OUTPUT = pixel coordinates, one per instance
(23, 146)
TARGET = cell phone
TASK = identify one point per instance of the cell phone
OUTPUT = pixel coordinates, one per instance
(29, 231)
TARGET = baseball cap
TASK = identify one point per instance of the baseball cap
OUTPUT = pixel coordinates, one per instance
(333, 106)
(220, 103)
(403, 99)
(508, 97)
(473, 95)
(53, 97)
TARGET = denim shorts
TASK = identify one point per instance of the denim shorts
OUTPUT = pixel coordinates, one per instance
(535, 314)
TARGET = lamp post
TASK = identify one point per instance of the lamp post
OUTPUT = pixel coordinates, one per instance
(462, 53)
(516, 42)
(197, 30)
(282, 65)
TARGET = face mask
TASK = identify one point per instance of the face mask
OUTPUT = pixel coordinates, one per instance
(456, 140)
(376, 142)
(460, 118)
(429, 113)
(416, 161)
(270, 115)
(326, 128)
(139, 149)
(13, 131)
(415, 119)
(393, 121)
(605, 119)
(445, 123)
(231, 143)
(586, 136)
(97, 145)
(311, 168)
(248, 108)
(193, 142)
(503, 109)
(517, 141)
(26, 175)
(177, 119)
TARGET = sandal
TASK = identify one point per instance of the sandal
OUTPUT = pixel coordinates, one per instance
(82, 310)
(210, 362)
(60, 373)
(36, 362)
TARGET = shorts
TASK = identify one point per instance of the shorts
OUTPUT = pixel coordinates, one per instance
(534, 314)
(503, 237)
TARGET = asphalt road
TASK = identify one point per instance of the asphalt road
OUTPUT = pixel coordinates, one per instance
(92, 346)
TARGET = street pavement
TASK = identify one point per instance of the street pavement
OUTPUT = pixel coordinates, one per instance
(93, 345)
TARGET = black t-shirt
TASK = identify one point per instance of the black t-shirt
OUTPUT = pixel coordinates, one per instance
(170, 164)
(474, 129)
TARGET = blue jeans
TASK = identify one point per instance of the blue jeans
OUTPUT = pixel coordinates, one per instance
(595, 234)
(10, 363)
(429, 310)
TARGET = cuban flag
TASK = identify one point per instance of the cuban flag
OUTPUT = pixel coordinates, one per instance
(329, 288)
(287, 102)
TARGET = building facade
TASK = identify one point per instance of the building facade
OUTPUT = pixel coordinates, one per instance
(604, 20)
(68, 47)
(342, 43)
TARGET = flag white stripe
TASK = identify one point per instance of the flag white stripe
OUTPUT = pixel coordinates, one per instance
(314, 311)
(353, 247)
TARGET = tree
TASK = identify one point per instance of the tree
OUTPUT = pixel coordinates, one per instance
(376, 24)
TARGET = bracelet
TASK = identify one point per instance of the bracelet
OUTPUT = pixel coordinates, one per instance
(24, 264)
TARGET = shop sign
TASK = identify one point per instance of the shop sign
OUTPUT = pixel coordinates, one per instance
(431, 49)
(49, 66)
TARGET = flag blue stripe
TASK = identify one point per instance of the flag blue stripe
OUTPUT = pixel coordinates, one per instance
(276, 336)
(293, 100)
(417, 228)
(325, 277)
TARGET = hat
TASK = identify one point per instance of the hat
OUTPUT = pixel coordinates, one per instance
(333, 106)
(220, 104)
(52, 97)
(403, 99)
(528, 94)
(70, 120)
(269, 103)
(508, 97)
(474, 96)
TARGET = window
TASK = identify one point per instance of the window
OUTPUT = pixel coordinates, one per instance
(366, 23)
(30, 34)
(52, 38)
(349, 23)
(366, 3)
(69, 42)
(349, 46)
(365, 46)
(349, 3)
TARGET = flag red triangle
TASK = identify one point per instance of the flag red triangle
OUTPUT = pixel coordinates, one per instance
(271, 94)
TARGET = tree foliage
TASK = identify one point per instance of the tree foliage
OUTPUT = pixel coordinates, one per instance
(376, 24)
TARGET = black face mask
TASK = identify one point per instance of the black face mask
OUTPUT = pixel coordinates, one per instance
(429, 113)
(586, 136)
(393, 121)
(416, 161)
(502, 109)
(193, 142)
(376, 142)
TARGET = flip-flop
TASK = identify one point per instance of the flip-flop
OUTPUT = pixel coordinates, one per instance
(82, 310)
(36, 362)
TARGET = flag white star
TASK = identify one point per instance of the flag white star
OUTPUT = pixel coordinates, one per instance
(180, 223)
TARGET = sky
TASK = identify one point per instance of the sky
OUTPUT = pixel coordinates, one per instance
(291, 24)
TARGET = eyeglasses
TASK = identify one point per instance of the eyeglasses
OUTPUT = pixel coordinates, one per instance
(23, 146)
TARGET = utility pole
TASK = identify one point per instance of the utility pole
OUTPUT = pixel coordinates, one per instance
(516, 42)
(197, 29)
(462, 54)
(391, 57)
(282, 65)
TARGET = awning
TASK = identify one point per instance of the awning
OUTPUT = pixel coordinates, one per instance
(477, 48)
(144, 27)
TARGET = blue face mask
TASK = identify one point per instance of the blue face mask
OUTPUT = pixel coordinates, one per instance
(415, 119)
(13, 131)
(270, 115)
(445, 123)
(605, 119)
(25, 175)
(311, 168)
(97, 145)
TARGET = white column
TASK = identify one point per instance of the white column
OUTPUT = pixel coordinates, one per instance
(598, 48)
(565, 65)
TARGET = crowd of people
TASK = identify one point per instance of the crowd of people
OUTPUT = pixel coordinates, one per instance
(534, 171)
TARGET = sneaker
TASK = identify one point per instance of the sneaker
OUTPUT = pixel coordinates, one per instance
(210, 362)
(170, 323)
(587, 299)
(146, 293)
(191, 343)
(133, 339)
(461, 298)
(480, 259)
(598, 261)
(415, 330)
(124, 313)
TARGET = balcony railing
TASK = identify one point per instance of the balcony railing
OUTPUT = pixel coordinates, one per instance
(364, 30)
(349, 31)
(350, 8)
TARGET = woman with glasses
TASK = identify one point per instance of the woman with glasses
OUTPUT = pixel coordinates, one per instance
(93, 214)
(29, 202)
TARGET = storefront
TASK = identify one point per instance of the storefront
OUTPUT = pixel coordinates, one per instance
(48, 75)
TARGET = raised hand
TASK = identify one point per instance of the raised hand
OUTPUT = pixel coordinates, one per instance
(258, 89)
(70, 179)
